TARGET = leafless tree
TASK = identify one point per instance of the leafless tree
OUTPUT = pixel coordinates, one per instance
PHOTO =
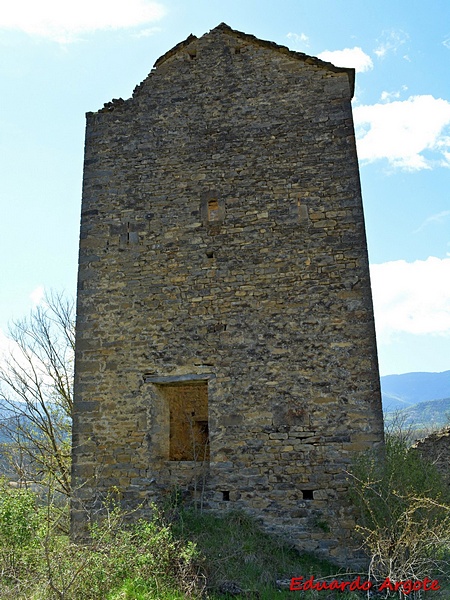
(36, 379)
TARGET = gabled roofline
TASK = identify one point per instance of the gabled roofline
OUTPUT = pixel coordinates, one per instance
(191, 38)
(310, 60)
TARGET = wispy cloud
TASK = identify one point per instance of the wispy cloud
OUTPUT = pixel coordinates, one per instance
(402, 131)
(390, 41)
(437, 218)
(389, 96)
(411, 297)
(446, 43)
(298, 39)
(348, 57)
(37, 296)
(65, 21)
(147, 32)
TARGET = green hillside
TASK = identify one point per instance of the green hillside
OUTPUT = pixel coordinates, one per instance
(430, 414)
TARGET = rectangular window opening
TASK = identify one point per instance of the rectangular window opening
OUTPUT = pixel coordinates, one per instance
(213, 210)
(226, 496)
(308, 494)
(189, 430)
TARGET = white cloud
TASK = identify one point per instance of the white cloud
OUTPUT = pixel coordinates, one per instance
(446, 161)
(388, 96)
(390, 41)
(411, 297)
(64, 21)
(349, 57)
(37, 295)
(402, 131)
(298, 39)
(149, 31)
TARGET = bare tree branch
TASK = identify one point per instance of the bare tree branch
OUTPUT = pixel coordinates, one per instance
(36, 380)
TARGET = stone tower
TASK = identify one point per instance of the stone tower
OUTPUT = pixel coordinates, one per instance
(225, 334)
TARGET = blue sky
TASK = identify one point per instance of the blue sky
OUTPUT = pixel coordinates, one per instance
(61, 58)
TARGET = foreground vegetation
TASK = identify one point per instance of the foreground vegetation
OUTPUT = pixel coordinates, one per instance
(185, 554)
(142, 561)
(148, 560)
(403, 513)
(402, 508)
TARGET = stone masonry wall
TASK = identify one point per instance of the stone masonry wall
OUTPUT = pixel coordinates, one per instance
(435, 448)
(223, 245)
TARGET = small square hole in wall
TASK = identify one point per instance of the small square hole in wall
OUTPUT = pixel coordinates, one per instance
(226, 496)
(308, 494)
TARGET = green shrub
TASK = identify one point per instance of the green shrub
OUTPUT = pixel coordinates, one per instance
(142, 561)
(19, 523)
(403, 513)
(18, 516)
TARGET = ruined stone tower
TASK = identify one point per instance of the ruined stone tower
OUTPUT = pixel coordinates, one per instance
(225, 335)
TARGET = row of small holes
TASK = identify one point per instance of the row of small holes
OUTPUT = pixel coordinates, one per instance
(307, 495)
(193, 53)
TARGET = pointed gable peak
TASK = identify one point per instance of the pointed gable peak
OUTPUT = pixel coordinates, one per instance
(226, 29)
(222, 27)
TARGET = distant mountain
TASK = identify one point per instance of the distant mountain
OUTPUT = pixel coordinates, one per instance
(402, 391)
(7, 419)
(426, 415)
